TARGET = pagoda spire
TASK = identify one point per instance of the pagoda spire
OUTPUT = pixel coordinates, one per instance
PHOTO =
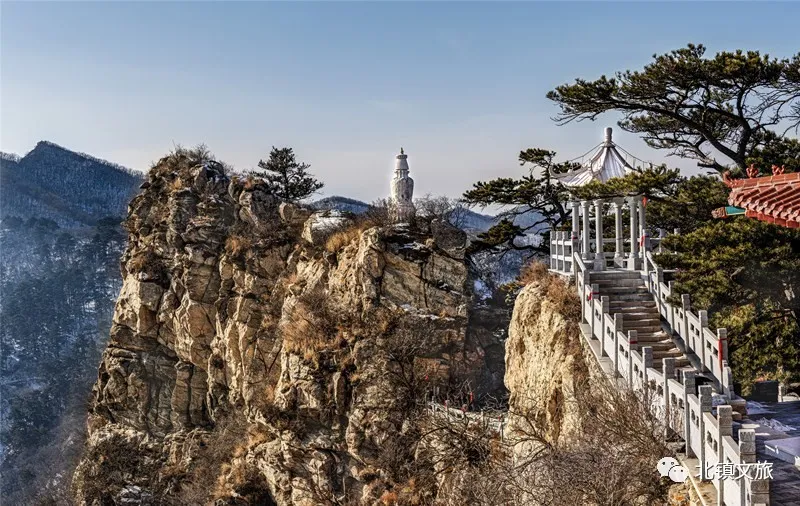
(402, 190)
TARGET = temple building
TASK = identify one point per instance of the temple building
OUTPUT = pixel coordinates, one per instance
(402, 191)
(774, 199)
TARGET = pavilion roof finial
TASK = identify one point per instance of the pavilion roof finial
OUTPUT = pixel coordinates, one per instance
(401, 150)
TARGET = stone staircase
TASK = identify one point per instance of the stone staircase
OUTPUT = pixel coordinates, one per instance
(627, 294)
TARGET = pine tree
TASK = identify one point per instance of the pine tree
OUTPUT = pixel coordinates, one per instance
(733, 105)
(287, 178)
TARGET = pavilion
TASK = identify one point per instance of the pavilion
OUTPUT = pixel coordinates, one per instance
(605, 163)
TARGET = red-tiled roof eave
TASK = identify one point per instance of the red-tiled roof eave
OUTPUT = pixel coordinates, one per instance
(774, 199)
(768, 199)
(763, 181)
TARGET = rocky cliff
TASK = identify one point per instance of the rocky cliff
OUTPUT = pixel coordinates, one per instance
(546, 364)
(262, 354)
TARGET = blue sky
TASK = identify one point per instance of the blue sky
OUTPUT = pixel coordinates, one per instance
(461, 86)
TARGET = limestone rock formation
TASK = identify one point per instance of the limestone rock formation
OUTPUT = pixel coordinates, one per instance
(248, 366)
(545, 361)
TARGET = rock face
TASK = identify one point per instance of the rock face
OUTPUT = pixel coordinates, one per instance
(249, 366)
(545, 362)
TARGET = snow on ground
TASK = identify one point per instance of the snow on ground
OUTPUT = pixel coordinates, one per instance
(756, 408)
(774, 424)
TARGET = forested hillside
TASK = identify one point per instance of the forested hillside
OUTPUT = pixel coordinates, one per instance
(60, 243)
(72, 189)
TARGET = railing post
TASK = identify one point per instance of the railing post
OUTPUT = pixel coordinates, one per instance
(702, 317)
(617, 329)
(727, 381)
(595, 293)
(647, 361)
(686, 306)
(759, 489)
(724, 429)
(689, 387)
(662, 234)
(668, 372)
(668, 368)
(722, 350)
(575, 252)
(604, 304)
(705, 407)
(633, 340)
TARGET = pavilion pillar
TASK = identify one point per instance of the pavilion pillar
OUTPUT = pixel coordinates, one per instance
(644, 237)
(634, 251)
(618, 253)
(576, 227)
(585, 230)
(599, 258)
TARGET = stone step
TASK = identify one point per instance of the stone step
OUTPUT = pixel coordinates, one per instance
(627, 314)
(643, 317)
(632, 305)
(641, 329)
(633, 308)
(661, 354)
(659, 335)
(682, 362)
(615, 274)
(621, 290)
(661, 346)
(629, 297)
(602, 283)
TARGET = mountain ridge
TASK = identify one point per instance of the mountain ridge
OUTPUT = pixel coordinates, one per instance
(71, 188)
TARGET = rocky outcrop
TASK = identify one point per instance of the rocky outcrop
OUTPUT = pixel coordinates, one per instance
(249, 366)
(545, 361)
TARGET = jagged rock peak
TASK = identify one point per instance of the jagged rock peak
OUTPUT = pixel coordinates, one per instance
(247, 362)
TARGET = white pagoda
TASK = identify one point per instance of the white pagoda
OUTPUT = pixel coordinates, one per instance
(402, 191)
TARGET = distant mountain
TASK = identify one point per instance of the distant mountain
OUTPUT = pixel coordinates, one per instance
(73, 189)
(60, 245)
(469, 220)
(341, 204)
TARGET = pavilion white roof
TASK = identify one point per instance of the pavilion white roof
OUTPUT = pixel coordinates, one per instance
(604, 164)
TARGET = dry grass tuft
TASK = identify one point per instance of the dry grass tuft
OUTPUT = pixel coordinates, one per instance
(338, 240)
(557, 290)
(312, 327)
(533, 272)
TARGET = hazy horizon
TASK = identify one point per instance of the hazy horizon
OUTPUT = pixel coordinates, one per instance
(461, 86)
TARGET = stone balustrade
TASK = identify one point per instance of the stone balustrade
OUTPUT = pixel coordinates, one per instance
(673, 393)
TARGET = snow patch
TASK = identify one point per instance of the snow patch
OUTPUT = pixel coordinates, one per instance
(775, 424)
(756, 408)
(482, 290)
